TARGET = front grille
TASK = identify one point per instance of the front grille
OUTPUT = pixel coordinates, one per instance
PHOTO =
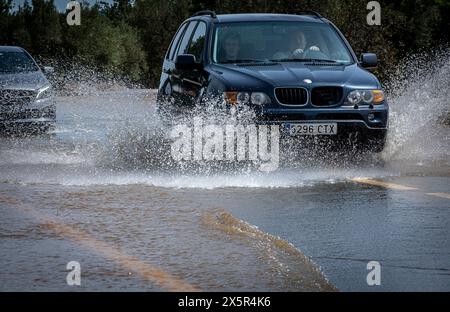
(16, 97)
(291, 96)
(326, 96)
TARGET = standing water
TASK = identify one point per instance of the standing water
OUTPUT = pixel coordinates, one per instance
(101, 173)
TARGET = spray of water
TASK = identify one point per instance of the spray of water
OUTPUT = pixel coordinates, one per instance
(77, 77)
(114, 136)
(420, 104)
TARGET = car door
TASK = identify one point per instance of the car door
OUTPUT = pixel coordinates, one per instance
(193, 81)
(167, 76)
(176, 76)
(169, 61)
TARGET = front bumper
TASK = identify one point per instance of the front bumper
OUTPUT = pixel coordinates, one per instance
(353, 124)
(345, 116)
(38, 112)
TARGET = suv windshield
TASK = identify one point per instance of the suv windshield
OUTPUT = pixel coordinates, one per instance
(278, 41)
(16, 62)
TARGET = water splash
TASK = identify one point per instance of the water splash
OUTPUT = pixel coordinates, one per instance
(285, 259)
(115, 137)
(76, 76)
(419, 102)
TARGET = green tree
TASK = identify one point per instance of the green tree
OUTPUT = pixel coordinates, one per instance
(5, 18)
(101, 42)
(44, 27)
(157, 21)
(131, 37)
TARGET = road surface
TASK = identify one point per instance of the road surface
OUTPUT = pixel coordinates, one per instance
(93, 191)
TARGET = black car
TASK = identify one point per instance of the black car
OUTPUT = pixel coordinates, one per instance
(26, 100)
(297, 71)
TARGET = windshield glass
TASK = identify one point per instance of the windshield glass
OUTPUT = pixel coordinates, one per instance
(278, 41)
(16, 62)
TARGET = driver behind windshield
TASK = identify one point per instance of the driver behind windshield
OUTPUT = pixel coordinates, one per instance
(231, 47)
(297, 46)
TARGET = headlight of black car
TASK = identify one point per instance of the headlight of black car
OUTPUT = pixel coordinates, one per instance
(238, 98)
(367, 97)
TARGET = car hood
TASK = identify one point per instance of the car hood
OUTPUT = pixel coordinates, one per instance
(24, 81)
(295, 74)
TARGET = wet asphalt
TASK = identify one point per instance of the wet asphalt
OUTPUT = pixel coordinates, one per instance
(63, 197)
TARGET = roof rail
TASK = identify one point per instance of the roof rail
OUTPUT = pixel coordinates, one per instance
(314, 13)
(205, 12)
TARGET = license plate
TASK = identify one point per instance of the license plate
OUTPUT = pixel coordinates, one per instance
(312, 128)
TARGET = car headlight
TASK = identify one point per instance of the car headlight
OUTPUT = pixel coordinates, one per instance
(365, 97)
(259, 98)
(354, 97)
(238, 98)
(235, 97)
(43, 93)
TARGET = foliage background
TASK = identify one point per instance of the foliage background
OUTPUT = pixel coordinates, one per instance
(129, 38)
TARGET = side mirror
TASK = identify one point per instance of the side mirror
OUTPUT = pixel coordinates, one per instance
(48, 69)
(187, 62)
(369, 60)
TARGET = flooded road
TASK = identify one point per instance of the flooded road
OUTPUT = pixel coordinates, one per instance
(93, 191)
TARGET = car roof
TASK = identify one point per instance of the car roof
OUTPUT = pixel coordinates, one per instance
(259, 17)
(11, 49)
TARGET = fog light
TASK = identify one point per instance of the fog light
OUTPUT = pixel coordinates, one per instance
(371, 116)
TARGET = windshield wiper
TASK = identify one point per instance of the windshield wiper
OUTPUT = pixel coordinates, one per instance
(307, 60)
(240, 61)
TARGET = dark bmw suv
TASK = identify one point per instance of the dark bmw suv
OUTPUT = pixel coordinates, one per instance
(297, 71)
(26, 99)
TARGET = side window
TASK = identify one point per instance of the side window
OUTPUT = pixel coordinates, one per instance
(183, 46)
(198, 41)
(175, 42)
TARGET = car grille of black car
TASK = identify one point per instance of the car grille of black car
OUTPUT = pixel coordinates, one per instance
(326, 96)
(291, 96)
(16, 97)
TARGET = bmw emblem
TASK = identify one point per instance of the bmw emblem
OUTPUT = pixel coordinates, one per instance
(307, 81)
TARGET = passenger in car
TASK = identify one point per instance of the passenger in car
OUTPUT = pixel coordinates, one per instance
(231, 48)
(297, 46)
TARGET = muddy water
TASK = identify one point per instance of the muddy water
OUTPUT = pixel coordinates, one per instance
(59, 202)
(205, 247)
